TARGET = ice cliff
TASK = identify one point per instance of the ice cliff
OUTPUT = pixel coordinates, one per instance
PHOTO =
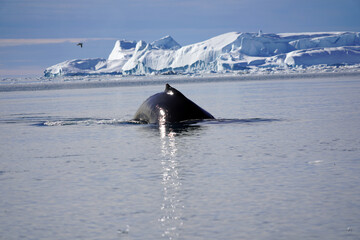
(227, 52)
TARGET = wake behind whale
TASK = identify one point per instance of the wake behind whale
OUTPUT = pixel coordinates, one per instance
(169, 107)
(41, 120)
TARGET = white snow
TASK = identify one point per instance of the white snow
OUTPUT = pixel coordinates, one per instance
(166, 43)
(76, 67)
(229, 52)
(122, 50)
(328, 56)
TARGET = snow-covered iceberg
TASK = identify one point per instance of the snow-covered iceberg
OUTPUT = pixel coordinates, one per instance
(76, 67)
(227, 52)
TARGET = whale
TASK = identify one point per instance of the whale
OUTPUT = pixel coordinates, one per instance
(169, 106)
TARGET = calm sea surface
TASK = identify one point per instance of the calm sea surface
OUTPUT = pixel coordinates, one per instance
(281, 162)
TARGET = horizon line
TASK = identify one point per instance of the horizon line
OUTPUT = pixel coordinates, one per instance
(11, 42)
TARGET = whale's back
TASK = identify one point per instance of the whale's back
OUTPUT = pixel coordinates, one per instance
(170, 106)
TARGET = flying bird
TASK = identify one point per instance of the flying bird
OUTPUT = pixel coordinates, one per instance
(80, 44)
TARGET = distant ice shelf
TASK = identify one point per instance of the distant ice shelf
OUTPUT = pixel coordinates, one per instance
(229, 52)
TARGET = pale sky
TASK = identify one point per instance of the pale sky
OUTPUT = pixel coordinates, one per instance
(35, 34)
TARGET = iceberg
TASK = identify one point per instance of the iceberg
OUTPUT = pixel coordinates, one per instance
(76, 67)
(229, 52)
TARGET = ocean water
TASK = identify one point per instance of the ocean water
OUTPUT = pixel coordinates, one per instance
(282, 161)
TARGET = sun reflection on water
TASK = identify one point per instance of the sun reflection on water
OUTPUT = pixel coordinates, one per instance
(172, 206)
(162, 117)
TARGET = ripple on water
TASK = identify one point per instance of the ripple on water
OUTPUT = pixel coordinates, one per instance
(41, 120)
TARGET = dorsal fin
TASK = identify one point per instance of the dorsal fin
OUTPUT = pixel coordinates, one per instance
(169, 90)
(167, 87)
(172, 91)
